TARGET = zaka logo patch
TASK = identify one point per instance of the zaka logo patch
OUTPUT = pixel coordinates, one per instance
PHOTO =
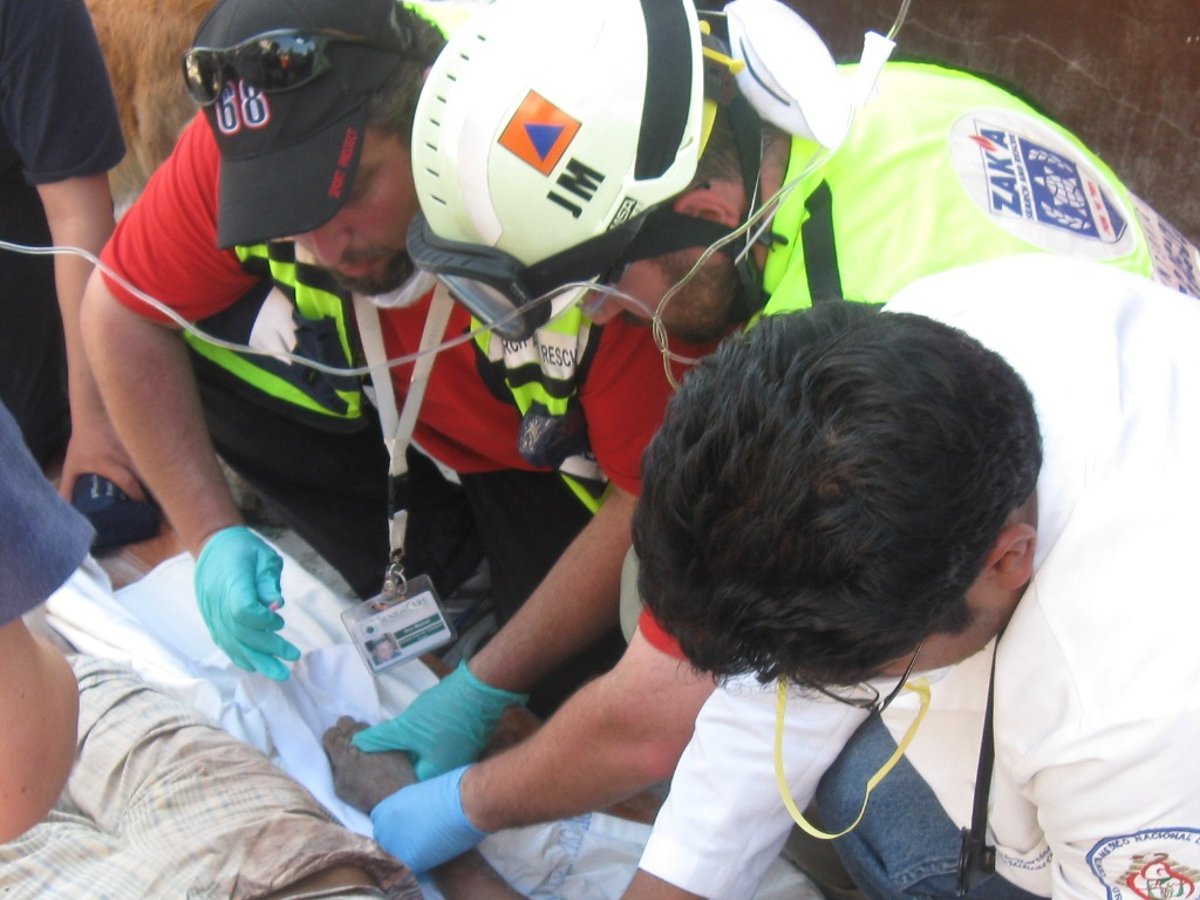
(539, 133)
(1034, 184)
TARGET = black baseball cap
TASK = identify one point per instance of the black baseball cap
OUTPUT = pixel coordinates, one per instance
(288, 158)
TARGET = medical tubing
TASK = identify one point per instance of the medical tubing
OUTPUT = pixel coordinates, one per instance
(761, 217)
(191, 328)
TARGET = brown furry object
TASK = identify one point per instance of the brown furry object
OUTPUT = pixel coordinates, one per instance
(142, 42)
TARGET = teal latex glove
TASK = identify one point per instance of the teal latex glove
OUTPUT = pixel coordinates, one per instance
(424, 824)
(237, 586)
(446, 727)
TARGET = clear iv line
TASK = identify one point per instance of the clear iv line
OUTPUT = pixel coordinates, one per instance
(199, 333)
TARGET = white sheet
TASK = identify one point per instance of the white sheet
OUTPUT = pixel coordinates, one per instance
(155, 626)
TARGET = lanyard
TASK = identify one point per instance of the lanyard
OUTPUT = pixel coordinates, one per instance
(398, 429)
(920, 687)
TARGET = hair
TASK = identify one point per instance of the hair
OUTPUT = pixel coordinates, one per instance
(392, 106)
(721, 160)
(825, 488)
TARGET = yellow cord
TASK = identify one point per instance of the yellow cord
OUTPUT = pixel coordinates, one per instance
(920, 687)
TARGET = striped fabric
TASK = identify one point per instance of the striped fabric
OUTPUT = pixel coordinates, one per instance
(163, 804)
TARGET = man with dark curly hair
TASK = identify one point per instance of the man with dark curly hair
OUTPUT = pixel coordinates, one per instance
(978, 504)
(865, 506)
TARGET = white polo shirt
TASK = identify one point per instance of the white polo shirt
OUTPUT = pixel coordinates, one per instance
(1096, 790)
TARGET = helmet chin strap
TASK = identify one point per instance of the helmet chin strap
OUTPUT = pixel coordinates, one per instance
(664, 231)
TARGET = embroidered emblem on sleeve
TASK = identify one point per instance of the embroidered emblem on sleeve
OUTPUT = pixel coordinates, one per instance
(1156, 863)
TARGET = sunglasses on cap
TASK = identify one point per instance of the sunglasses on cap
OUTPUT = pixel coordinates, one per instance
(274, 61)
(504, 293)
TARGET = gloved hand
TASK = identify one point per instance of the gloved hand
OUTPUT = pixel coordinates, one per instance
(237, 586)
(446, 727)
(424, 824)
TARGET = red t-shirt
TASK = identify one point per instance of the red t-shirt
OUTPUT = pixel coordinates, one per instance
(166, 246)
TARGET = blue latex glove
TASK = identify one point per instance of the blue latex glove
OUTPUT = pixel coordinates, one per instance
(446, 727)
(237, 584)
(424, 824)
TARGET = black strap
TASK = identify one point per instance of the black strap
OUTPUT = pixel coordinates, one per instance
(820, 248)
(665, 231)
(748, 136)
(665, 106)
(976, 858)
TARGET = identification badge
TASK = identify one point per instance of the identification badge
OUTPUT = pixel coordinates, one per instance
(392, 628)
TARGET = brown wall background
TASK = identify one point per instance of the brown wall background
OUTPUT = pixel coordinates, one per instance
(1124, 75)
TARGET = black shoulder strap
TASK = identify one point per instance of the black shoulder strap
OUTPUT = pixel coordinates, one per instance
(976, 858)
(820, 248)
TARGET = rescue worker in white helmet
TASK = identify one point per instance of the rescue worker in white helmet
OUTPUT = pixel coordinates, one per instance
(295, 182)
(532, 129)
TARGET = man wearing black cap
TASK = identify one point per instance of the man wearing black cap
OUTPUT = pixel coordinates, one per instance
(306, 442)
(304, 142)
(287, 162)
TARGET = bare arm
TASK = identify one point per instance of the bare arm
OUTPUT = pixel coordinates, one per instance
(576, 603)
(143, 370)
(619, 734)
(650, 887)
(39, 706)
(471, 877)
(79, 212)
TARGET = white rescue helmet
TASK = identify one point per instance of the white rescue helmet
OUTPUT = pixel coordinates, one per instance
(544, 131)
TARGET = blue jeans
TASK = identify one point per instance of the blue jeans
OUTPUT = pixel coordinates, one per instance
(42, 539)
(906, 845)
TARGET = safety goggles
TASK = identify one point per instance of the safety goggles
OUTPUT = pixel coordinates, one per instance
(506, 295)
(872, 702)
(273, 62)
